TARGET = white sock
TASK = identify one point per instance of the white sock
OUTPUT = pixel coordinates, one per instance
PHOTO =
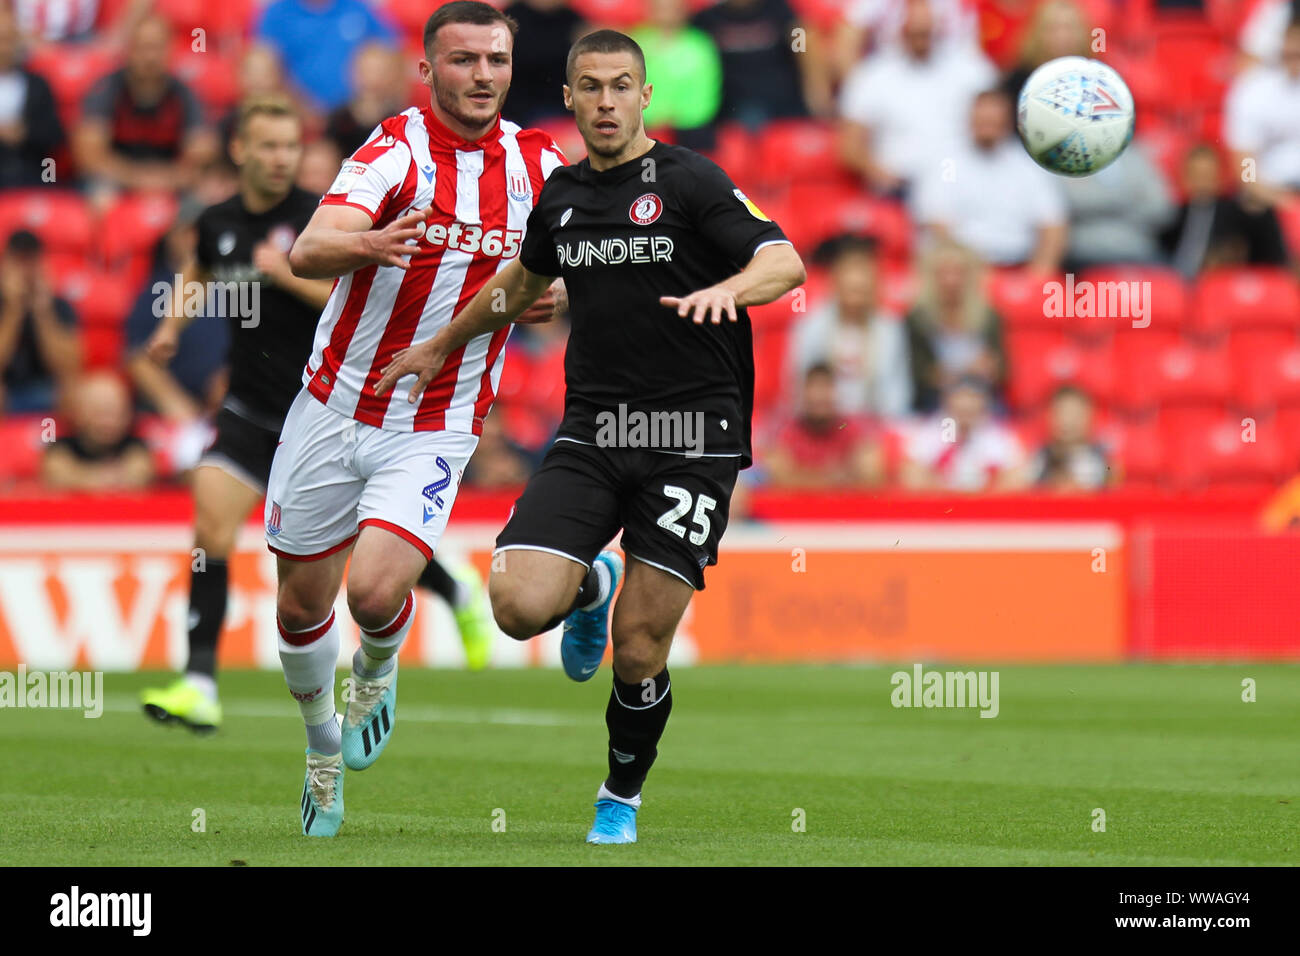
(308, 658)
(379, 647)
(602, 575)
(604, 794)
(204, 682)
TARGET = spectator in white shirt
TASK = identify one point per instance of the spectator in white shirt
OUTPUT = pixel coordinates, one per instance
(963, 448)
(902, 107)
(876, 24)
(1261, 35)
(1262, 124)
(864, 345)
(1116, 215)
(989, 195)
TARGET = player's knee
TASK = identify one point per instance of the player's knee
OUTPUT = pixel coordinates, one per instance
(215, 534)
(517, 614)
(374, 604)
(297, 613)
(638, 651)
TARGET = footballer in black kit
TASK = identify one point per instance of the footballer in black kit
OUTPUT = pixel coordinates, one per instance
(653, 402)
(242, 254)
(659, 253)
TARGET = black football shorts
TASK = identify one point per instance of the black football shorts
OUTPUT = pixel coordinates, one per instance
(242, 449)
(672, 509)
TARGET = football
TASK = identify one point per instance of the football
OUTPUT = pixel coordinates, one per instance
(1075, 115)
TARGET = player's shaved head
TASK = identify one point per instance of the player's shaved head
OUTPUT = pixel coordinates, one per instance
(604, 41)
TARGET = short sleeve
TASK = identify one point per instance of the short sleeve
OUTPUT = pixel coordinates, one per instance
(728, 218)
(537, 254)
(371, 176)
(98, 104)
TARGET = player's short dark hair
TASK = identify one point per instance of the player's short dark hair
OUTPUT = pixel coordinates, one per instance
(465, 11)
(604, 41)
(265, 104)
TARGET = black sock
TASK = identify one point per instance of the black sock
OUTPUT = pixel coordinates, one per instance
(208, 590)
(636, 717)
(436, 579)
(588, 591)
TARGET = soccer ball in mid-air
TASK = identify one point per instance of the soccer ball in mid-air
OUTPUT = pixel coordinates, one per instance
(1075, 115)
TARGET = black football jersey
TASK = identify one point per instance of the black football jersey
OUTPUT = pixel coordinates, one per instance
(267, 352)
(669, 222)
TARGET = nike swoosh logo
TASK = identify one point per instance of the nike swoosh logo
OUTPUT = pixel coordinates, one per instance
(590, 670)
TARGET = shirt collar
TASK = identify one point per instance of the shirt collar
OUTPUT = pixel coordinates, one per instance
(439, 133)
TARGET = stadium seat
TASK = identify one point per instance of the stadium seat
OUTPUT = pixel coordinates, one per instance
(1139, 448)
(735, 151)
(769, 369)
(211, 76)
(1017, 295)
(20, 436)
(133, 225)
(790, 149)
(100, 297)
(71, 69)
(1245, 297)
(1042, 361)
(1154, 368)
(1265, 368)
(1163, 296)
(608, 13)
(1219, 449)
(61, 218)
(817, 211)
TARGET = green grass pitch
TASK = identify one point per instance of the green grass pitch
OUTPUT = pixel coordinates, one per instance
(1186, 772)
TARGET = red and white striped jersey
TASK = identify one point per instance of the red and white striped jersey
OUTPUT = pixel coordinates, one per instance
(481, 193)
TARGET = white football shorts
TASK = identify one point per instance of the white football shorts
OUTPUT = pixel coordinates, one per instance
(333, 475)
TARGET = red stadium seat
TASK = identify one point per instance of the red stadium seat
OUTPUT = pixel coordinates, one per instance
(817, 211)
(20, 436)
(612, 13)
(1161, 293)
(1219, 449)
(59, 217)
(134, 224)
(769, 369)
(1154, 369)
(1139, 448)
(1265, 368)
(100, 297)
(736, 151)
(71, 69)
(212, 77)
(1288, 215)
(790, 149)
(1043, 361)
(1246, 297)
(1018, 297)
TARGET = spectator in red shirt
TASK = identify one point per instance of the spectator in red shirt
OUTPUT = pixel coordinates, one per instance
(821, 448)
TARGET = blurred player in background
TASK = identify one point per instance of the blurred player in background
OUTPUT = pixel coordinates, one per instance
(420, 217)
(247, 239)
(633, 230)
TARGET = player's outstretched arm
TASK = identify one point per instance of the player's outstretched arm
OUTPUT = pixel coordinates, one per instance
(339, 240)
(505, 296)
(774, 271)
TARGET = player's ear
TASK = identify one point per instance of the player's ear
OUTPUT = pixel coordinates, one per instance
(646, 91)
(426, 72)
(568, 97)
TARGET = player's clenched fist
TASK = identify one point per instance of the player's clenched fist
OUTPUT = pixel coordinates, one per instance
(713, 303)
(392, 245)
(424, 361)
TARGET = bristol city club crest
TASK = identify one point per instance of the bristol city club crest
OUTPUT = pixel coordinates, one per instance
(282, 238)
(646, 209)
(518, 185)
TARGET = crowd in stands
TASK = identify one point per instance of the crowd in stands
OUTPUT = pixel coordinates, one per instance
(879, 133)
